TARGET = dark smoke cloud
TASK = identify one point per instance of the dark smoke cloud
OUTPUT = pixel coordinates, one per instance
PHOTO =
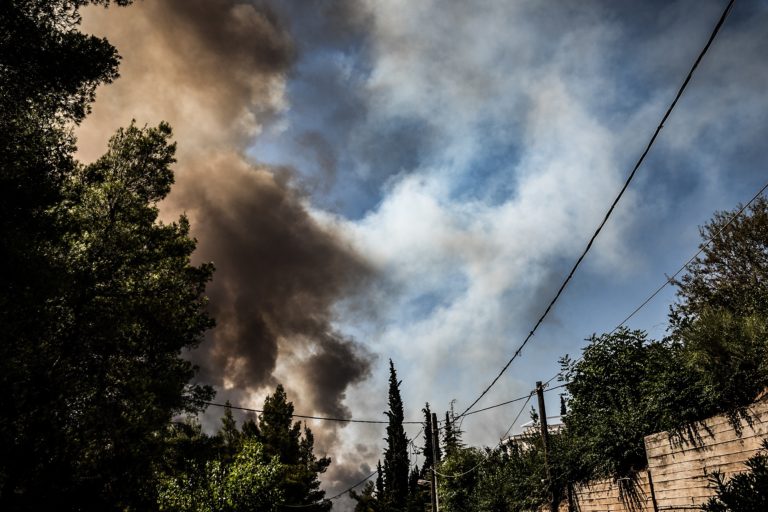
(330, 96)
(278, 276)
(216, 70)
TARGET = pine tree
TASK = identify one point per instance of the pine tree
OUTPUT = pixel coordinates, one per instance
(229, 433)
(366, 500)
(283, 439)
(251, 429)
(396, 454)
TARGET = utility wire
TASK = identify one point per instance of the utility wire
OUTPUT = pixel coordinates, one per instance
(488, 454)
(497, 405)
(334, 497)
(671, 278)
(361, 482)
(342, 493)
(610, 210)
(304, 416)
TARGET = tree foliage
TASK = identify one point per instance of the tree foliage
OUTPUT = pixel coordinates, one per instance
(714, 361)
(451, 433)
(744, 492)
(283, 438)
(251, 481)
(366, 500)
(727, 357)
(99, 297)
(610, 409)
(732, 272)
(396, 462)
(428, 451)
(265, 466)
(505, 479)
(457, 479)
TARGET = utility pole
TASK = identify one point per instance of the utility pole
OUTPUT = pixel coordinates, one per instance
(435, 460)
(545, 442)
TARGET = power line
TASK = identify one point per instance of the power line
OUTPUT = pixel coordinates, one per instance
(610, 210)
(691, 260)
(554, 388)
(488, 454)
(498, 405)
(361, 482)
(334, 497)
(685, 265)
(304, 416)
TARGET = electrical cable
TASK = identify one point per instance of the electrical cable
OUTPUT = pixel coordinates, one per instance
(361, 482)
(487, 455)
(610, 210)
(671, 278)
(334, 497)
(496, 405)
(304, 416)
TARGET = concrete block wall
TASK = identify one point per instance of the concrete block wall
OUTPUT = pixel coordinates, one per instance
(612, 496)
(679, 469)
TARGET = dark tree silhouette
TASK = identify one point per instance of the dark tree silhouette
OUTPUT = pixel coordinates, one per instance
(396, 453)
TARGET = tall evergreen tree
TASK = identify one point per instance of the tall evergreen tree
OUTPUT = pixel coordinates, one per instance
(379, 482)
(416, 496)
(366, 500)
(452, 434)
(98, 298)
(427, 451)
(229, 436)
(449, 439)
(284, 440)
(396, 454)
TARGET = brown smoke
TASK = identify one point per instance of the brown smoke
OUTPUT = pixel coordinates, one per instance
(215, 69)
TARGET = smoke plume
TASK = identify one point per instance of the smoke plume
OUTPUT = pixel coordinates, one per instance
(216, 70)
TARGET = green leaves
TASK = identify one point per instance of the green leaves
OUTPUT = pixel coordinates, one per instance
(609, 407)
(730, 275)
(99, 297)
(744, 492)
(250, 482)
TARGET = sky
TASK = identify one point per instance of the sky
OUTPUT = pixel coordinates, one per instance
(390, 179)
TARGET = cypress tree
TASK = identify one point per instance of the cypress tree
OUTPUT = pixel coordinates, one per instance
(449, 439)
(379, 482)
(396, 453)
(427, 451)
(452, 435)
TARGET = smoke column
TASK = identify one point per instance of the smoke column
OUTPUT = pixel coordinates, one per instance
(216, 70)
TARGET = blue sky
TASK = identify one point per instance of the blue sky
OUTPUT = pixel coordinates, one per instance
(467, 150)
(479, 144)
